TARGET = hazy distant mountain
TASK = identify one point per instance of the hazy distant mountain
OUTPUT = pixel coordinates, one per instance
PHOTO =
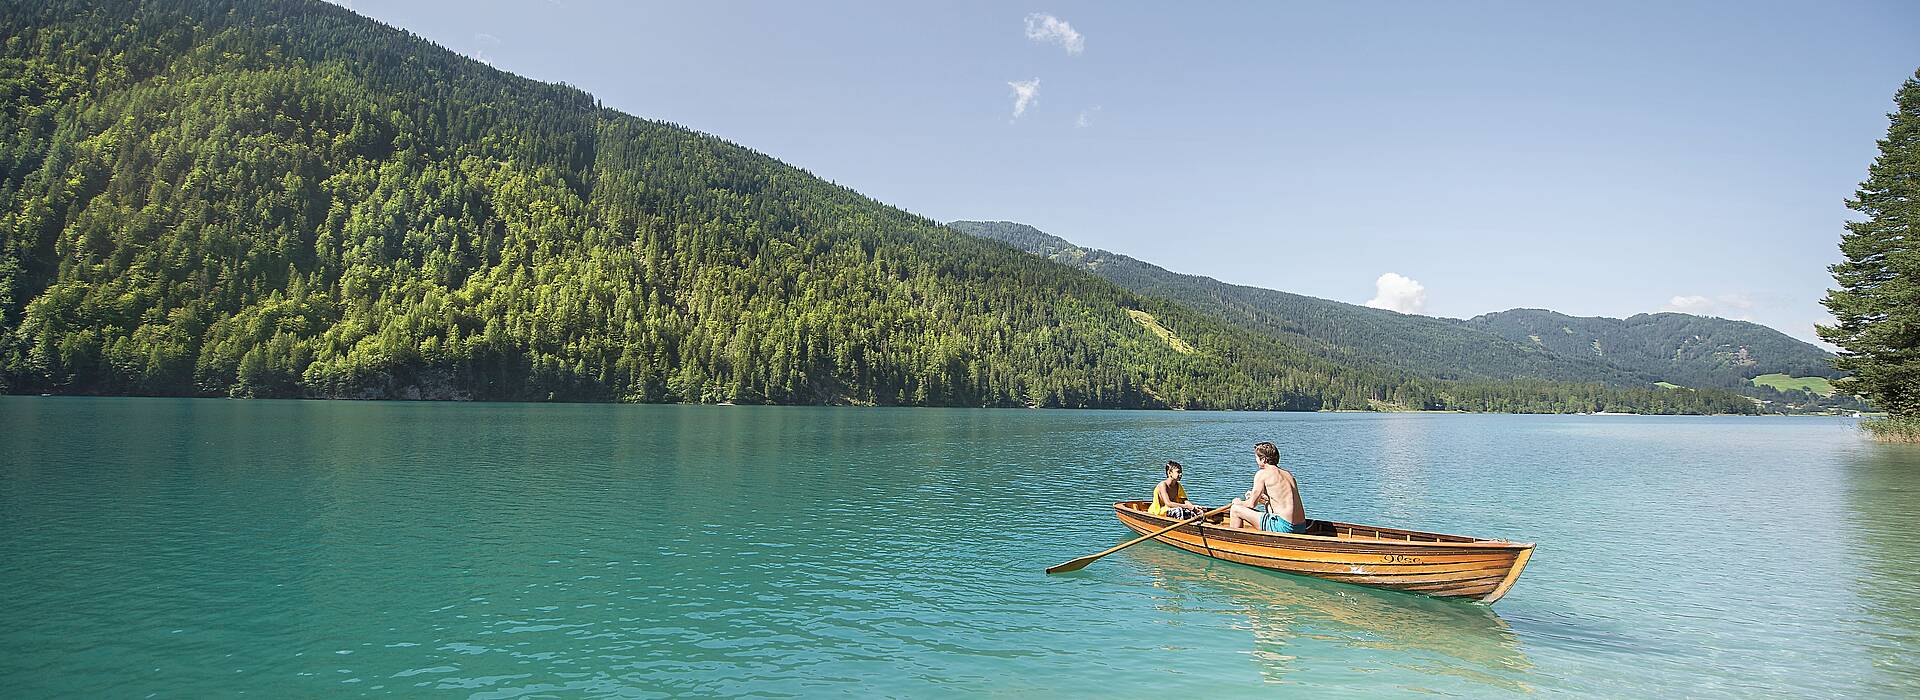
(1680, 348)
(1523, 343)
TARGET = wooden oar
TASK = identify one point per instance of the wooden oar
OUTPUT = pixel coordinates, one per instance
(1082, 562)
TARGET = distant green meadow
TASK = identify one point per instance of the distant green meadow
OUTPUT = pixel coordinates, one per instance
(1668, 385)
(1781, 382)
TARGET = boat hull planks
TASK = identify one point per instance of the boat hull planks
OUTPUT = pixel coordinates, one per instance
(1446, 566)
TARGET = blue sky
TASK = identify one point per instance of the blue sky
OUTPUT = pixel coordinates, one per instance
(1595, 160)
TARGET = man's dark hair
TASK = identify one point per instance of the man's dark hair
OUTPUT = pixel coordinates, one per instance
(1267, 453)
(1172, 465)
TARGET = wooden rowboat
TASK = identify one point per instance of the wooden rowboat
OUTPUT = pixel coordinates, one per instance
(1446, 566)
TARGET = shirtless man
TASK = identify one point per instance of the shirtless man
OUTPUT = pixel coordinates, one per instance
(1274, 488)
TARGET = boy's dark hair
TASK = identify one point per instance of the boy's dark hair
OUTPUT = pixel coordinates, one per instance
(1267, 453)
(1172, 465)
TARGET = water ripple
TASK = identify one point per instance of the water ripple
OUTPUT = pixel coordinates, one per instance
(310, 548)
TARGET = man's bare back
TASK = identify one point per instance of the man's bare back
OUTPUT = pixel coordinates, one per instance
(1274, 488)
(1280, 493)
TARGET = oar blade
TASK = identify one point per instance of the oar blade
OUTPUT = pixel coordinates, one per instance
(1074, 565)
(1082, 562)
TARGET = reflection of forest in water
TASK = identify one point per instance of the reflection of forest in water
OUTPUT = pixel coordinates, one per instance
(1884, 501)
(1303, 626)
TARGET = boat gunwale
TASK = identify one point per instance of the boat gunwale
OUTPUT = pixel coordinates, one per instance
(1122, 508)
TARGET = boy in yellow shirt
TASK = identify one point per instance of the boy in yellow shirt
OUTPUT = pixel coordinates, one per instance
(1169, 499)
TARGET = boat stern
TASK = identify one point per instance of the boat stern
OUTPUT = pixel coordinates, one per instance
(1513, 574)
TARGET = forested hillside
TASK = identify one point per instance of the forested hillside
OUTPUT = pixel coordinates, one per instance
(282, 198)
(1430, 347)
(1679, 348)
(1522, 344)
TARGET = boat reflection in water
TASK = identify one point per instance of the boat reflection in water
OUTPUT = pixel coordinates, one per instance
(1314, 632)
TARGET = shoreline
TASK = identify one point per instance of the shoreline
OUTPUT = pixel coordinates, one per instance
(726, 404)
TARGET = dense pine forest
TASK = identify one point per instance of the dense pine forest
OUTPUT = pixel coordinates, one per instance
(280, 198)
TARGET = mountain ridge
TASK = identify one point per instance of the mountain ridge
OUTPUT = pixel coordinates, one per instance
(1683, 348)
(1498, 345)
(281, 198)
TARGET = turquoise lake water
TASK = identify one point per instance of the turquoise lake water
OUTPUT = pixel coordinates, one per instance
(196, 548)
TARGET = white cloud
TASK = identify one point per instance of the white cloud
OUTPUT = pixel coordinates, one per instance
(1688, 304)
(1048, 29)
(1086, 117)
(1395, 292)
(1738, 307)
(482, 42)
(1025, 94)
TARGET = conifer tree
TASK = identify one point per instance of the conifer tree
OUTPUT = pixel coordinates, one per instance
(1878, 302)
